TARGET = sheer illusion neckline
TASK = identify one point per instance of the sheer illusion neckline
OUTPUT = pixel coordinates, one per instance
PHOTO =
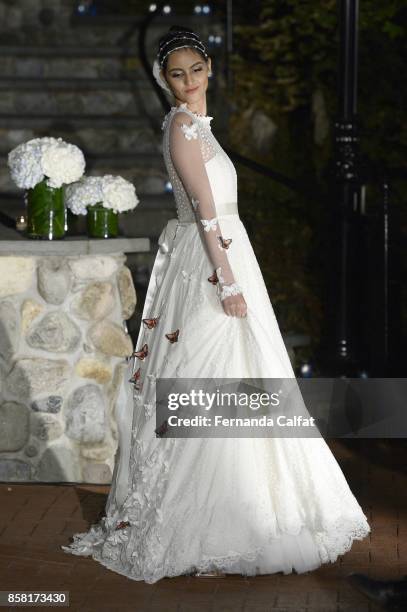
(205, 118)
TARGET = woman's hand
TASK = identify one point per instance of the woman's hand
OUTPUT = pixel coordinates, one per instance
(235, 305)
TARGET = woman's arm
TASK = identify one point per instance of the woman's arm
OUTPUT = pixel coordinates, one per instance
(186, 155)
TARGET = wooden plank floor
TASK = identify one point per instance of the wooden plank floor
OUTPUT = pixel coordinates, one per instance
(36, 519)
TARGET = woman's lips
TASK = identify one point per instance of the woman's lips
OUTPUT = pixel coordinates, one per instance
(191, 90)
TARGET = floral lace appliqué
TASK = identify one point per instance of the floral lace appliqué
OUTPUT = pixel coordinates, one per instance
(228, 290)
(190, 131)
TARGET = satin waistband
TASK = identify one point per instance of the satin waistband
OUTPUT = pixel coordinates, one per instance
(222, 209)
(168, 234)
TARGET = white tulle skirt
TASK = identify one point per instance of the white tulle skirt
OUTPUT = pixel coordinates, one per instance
(242, 505)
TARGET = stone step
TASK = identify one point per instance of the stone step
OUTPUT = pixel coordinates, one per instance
(53, 66)
(63, 34)
(99, 101)
(51, 51)
(128, 159)
(70, 84)
(110, 139)
(146, 179)
(148, 223)
(20, 23)
(70, 122)
(67, 29)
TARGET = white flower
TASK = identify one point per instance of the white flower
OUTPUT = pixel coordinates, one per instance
(156, 72)
(190, 131)
(113, 192)
(48, 157)
(86, 192)
(118, 194)
(25, 162)
(63, 163)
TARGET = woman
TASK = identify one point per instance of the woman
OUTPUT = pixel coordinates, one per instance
(201, 505)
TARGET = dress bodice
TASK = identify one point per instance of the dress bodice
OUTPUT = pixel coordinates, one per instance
(219, 168)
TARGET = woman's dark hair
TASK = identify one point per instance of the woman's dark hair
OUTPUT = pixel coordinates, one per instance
(178, 37)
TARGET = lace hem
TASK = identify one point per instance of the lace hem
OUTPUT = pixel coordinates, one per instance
(330, 543)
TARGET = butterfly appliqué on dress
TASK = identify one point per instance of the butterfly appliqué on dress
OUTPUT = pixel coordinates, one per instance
(150, 323)
(190, 131)
(210, 224)
(162, 429)
(224, 243)
(173, 336)
(122, 525)
(213, 278)
(142, 353)
(135, 380)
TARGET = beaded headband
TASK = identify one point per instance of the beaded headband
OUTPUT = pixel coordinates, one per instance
(193, 41)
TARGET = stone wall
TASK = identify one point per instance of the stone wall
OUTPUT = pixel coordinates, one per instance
(63, 344)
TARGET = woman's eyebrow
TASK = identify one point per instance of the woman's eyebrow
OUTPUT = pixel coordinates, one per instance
(199, 62)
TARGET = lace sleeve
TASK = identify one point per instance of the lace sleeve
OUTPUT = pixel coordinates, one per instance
(186, 155)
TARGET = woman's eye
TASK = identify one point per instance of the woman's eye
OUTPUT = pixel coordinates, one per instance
(178, 74)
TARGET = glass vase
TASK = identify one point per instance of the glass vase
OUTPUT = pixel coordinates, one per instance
(102, 222)
(46, 215)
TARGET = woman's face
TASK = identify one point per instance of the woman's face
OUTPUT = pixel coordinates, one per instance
(187, 75)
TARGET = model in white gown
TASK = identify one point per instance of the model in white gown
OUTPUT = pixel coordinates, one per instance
(239, 505)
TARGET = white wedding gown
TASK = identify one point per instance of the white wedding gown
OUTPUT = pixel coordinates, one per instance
(242, 505)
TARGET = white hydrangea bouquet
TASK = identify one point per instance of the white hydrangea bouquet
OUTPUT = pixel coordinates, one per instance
(52, 159)
(102, 198)
(43, 166)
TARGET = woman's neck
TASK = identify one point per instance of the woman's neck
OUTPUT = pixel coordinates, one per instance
(199, 108)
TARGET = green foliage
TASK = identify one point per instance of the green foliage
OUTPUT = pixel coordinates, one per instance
(285, 64)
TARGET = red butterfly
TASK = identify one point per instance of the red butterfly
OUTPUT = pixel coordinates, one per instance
(173, 336)
(162, 430)
(150, 323)
(122, 525)
(142, 353)
(225, 242)
(214, 278)
(135, 379)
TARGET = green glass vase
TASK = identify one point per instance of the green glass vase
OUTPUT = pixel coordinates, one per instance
(102, 222)
(46, 215)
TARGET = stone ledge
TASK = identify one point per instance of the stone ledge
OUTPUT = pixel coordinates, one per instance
(71, 245)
